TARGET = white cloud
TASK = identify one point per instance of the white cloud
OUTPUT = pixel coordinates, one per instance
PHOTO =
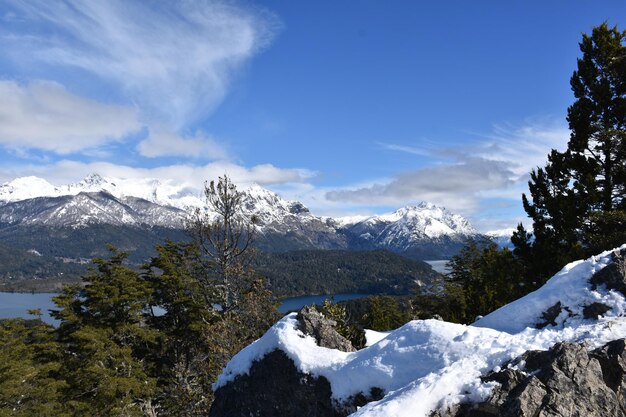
(44, 115)
(525, 147)
(463, 179)
(422, 151)
(454, 186)
(67, 171)
(174, 59)
(164, 143)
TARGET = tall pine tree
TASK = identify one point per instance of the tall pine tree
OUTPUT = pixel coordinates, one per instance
(579, 196)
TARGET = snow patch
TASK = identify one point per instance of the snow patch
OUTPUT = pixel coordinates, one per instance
(428, 364)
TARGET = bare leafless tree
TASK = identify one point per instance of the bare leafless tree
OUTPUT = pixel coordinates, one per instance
(225, 235)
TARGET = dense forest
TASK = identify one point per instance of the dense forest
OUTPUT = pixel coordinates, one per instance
(335, 271)
(288, 274)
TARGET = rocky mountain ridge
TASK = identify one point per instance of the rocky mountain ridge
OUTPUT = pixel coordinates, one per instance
(422, 231)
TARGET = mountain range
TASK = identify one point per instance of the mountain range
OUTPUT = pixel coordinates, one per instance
(79, 218)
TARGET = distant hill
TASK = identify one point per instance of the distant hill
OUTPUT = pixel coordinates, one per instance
(22, 270)
(335, 271)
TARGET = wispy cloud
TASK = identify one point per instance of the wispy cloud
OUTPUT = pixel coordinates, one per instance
(164, 143)
(406, 149)
(524, 146)
(454, 186)
(44, 115)
(67, 171)
(494, 166)
(174, 59)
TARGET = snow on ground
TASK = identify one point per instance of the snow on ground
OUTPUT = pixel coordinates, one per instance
(569, 286)
(373, 337)
(427, 364)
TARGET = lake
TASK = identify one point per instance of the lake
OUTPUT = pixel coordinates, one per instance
(439, 265)
(296, 303)
(15, 304)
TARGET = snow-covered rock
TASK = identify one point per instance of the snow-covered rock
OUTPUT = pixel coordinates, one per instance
(429, 365)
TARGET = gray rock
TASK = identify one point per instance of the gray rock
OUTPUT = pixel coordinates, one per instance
(313, 323)
(274, 388)
(549, 316)
(613, 276)
(595, 310)
(566, 381)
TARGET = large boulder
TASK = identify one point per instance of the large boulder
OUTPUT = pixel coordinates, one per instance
(274, 387)
(565, 381)
(613, 276)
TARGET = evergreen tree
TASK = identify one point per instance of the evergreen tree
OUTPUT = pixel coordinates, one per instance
(105, 340)
(29, 364)
(384, 313)
(487, 278)
(186, 313)
(576, 196)
(597, 120)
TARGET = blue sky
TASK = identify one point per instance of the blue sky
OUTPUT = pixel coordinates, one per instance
(352, 107)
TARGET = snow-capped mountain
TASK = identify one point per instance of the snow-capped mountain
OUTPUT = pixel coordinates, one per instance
(424, 231)
(88, 208)
(410, 224)
(501, 237)
(164, 193)
(412, 229)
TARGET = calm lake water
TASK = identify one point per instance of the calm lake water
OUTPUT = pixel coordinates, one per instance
(439, 265)
(296, 303)
(14, 304)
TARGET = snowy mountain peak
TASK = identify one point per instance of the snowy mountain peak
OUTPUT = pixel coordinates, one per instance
(270, 208)
(93, 179)
(262, 195)
(24, 188)
(424, 219)
(91, 183)
(425, 230)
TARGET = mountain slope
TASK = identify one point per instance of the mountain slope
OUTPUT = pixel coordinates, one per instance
(419, 232)
(424, 231)
(339, 271)
(88, 208)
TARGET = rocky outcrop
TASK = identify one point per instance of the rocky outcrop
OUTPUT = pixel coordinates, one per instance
(313, 323)
(565, 381)
(612, 276)
(274, 387)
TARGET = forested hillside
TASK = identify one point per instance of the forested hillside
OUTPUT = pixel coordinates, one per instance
(331, 272)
